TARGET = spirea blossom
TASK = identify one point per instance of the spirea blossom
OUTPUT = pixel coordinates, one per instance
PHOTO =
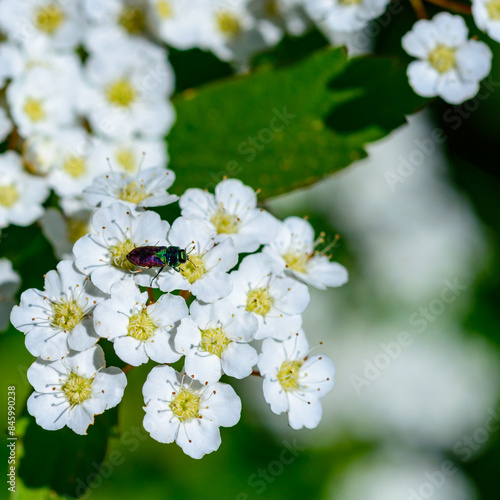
(449, 66)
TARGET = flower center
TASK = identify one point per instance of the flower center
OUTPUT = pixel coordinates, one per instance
(442, 58)
(118, 254)
(214, 341)
(193, 269)
(75, 229)
(75, 166)
(225, 223)
(48, 18)
(186, 405)
(228, 24)
(126, 158)
(77, 389)
(350, 2)
(8, 195)
(33, 108)
(133, 192)
(164, 9)
(121, 93)
(259, 301)
(67, 314)
(493, 8)
(132, 19)
(288, 375)
(297, 261)
(141, 326)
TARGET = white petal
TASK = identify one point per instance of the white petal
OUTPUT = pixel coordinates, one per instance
(474, 60)
(238, 360)
(197, 438)
(275, 395)
(130, 350)
(423, 78)
(221, 404)
(204, 367)
(304, 411)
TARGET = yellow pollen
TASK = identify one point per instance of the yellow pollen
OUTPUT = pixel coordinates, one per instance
(75, 229)
(193, 269)
(442, 58)
(33, 109)
(297, 261)
(493, 8)
(164, 9)
(118, 254)
(225, 223)
(141, 326)
(288, 375)
(214, 341)
(75, 166)
(133, 192)
(48, 18)
(186, 405)
(8, 195)
(77, 389)
(67, 314)
(132, 19)
(126, 158)
(121, 93)
(259, 301)
(228, 24)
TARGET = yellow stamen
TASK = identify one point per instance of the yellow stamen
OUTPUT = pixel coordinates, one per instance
(75, 166)
(228, 24)
(121, 93)
(214, 341)
(193, 269)
(186, 405)
(141, 326)
(224, 222)
(67, 314)
(48, 18)
(9, 195)
(33, 108)
(77, 389)
(259, 301)
(288, 375)
(442, 58)
(118, 254)
(133, 192)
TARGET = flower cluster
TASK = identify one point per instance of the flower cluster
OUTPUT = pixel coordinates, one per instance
(199, 292)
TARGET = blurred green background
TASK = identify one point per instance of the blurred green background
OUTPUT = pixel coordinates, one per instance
(406, 420)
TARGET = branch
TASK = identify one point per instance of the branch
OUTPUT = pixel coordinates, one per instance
(453, 6)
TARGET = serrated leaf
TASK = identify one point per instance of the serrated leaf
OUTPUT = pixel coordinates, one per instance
(282, 129)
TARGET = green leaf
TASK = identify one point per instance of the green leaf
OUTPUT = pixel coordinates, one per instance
(282, 129)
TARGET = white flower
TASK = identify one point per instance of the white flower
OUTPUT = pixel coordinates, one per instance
(68, 155)
(40, 103)
(63, 231)
(129, 155)
(232, 213)
(345, 15)
(9, 284)
(57, 319)
(230, 31)
(55, 24)
(128, 89)
(282, 15)
(181, 409)
(103, 255)
(215, 339)
(21, 194)
(294, 382)
(5, 125)
(450, 66)
(486, 15)
(72, 390)
(147, 188)
(276, 301)
(178, 23)
(205, 273)
(139, 331)
(293, 249)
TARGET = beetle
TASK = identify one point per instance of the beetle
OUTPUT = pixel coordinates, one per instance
(158, 256)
